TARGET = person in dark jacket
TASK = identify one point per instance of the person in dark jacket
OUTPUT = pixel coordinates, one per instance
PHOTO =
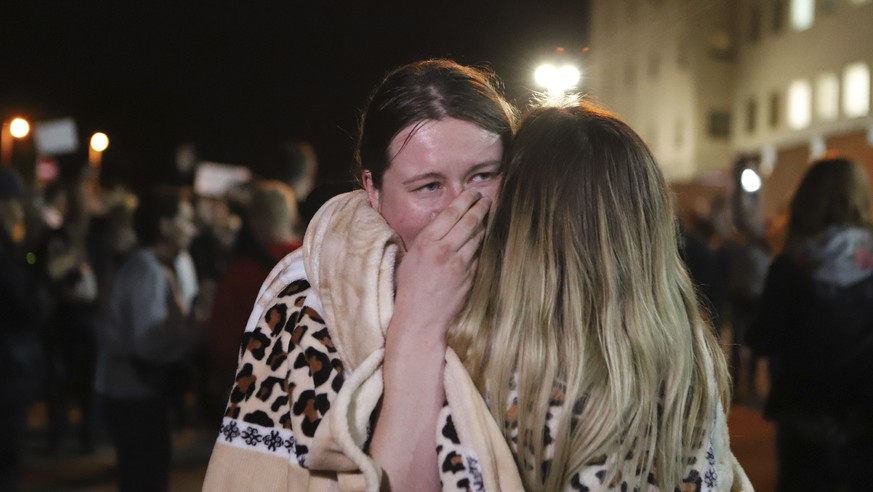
(24, 307)
(816, 328)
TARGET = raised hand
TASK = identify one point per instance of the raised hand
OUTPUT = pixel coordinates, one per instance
(435, 276)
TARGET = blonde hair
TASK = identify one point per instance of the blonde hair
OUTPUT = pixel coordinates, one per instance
(580, 286)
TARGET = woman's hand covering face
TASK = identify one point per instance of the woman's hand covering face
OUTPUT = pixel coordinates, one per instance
(436, 274)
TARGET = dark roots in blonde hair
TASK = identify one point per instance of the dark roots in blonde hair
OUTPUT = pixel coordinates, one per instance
(580, 291)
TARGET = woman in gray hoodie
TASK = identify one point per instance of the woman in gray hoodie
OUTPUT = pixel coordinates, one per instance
(816, 327)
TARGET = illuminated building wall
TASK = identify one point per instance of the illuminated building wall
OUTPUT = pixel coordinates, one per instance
(703, 81)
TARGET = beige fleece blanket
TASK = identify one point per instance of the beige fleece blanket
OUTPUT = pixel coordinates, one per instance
(350, 255)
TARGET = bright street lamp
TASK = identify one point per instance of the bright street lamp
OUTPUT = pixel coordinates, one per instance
(557, 80)
(19, 127)
(750, 181)
(99, 143)
(9, 131)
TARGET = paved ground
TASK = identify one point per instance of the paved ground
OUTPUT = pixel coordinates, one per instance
(752, 444)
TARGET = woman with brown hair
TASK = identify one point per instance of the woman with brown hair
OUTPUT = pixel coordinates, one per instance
(339, 384)
(816, 328)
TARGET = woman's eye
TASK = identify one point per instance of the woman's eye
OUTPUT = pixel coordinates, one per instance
(483, 176)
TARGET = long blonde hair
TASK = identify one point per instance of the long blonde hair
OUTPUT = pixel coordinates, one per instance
(580, 296)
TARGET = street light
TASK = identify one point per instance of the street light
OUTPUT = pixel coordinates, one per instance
(750, 181)
(16, 128)
(557, 80)
(19, 127)
(99, 143)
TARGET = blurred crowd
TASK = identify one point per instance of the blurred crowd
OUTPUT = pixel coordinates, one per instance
(122, 311)
(127, 308)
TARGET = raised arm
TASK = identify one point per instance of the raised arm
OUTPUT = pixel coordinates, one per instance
(433, 283)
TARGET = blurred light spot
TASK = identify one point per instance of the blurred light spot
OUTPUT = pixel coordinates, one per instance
(30, 258)
(750, 181)
(856, 90)
(799, 104)
(817, 147)
(802, 14)
(557, 80)
(99, 141)
(19, 127)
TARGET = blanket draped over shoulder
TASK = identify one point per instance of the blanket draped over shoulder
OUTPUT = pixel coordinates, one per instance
(350, 257)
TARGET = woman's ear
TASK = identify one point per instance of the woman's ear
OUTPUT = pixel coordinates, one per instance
(372, 191)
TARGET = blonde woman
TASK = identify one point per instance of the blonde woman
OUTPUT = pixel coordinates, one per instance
(582, 331)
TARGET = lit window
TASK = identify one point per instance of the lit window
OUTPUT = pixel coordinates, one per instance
(856, 90)
(827, 96)
(799, 104)
(802, 14)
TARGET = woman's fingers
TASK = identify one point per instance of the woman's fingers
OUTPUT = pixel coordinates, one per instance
(446, 220)
(468, 227)
(469, 249)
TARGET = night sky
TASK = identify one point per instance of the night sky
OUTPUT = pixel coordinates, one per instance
(238, 78)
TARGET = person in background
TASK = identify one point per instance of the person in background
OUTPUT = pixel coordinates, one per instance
(145, 332)
(816, 328)
(24, 307)
(708, 264)
(270, 233)
(69, 337)
(320, 195)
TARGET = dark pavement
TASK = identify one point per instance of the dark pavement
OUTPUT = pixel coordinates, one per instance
(70, 469)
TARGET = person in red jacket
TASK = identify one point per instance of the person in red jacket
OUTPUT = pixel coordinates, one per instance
(270, 233)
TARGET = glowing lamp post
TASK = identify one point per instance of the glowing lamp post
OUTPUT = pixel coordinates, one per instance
(750, 181)
(99, 143)
(557, 80)
(15, 128)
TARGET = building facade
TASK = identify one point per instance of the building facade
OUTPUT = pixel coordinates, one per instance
(705, 81)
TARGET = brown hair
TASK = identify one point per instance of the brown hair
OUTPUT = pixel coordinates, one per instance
(428, 90)
(833, 192)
